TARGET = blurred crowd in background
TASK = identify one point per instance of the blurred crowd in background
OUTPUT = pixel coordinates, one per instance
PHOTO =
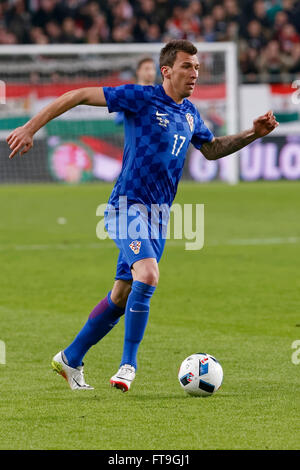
(267, 31)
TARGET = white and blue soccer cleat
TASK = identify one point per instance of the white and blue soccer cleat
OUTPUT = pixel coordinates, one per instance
(74, 376)
(123, 378)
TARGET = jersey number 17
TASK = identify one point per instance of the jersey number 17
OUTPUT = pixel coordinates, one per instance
(178, 143)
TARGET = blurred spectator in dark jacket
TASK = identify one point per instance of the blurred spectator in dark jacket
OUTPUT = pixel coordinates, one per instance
(100, 27)
(153, 33)
(281, 18)
(49, 10)
(122, 33)
(288, 38)
(145, 18)
(233, 13)
(71, 7)
(289, 7)
(232, 31)
(54, 32)
(272, 63)
(71, 33)
(294, 62)
(146, 9)
(296, 16)
(255, 37)
(92, 36)
(122, 14)
(248, 58)
(219, 16)
(37, 36)
(260, 14)
(18, 21)
(163, 9)
(208, 32)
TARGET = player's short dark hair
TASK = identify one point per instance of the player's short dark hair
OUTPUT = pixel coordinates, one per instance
(169, 51)
(142, 61)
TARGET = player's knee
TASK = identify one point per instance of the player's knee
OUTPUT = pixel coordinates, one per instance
(149, 276)
(146, 271)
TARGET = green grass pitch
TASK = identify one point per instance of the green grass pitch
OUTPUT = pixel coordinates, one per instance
(237, 299)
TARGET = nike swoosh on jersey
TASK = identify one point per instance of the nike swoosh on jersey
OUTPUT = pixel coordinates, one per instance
(161, 114)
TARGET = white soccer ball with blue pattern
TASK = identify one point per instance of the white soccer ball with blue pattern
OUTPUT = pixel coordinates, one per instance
(200, 375)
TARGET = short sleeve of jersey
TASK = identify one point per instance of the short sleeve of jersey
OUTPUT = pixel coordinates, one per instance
(202, 133)
(127, 97)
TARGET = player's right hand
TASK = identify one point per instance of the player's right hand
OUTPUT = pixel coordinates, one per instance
(19, 140)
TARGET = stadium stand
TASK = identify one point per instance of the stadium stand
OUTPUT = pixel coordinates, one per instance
(267, 32)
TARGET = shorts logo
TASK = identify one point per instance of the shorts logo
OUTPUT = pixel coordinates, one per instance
(135, 245)
(190, 120)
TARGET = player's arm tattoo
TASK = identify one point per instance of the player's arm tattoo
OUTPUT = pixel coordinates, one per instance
(221, 146)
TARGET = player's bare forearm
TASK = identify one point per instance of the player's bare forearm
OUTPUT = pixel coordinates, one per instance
(21, 139)
(92, 96)
(52, 110)
(222, 146)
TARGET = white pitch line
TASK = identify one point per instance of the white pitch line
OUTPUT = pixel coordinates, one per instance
(110, 244)
(264, 241)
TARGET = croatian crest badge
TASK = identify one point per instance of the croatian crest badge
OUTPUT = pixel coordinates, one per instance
(190, 120)
(135, 245)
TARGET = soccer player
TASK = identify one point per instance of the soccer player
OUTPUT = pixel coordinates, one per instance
(145, 75)
(145, 71)
(160, 123)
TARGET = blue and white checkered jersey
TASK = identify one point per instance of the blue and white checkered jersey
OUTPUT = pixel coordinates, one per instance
(158, 132)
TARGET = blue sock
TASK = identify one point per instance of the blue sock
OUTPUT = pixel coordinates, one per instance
(101, 320)
(136, 318)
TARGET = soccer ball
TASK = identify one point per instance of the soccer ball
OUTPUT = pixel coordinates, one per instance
(200, 375)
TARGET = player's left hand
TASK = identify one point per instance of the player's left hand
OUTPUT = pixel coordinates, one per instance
(265, 124)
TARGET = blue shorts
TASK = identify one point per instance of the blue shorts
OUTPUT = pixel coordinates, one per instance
(134, 245)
